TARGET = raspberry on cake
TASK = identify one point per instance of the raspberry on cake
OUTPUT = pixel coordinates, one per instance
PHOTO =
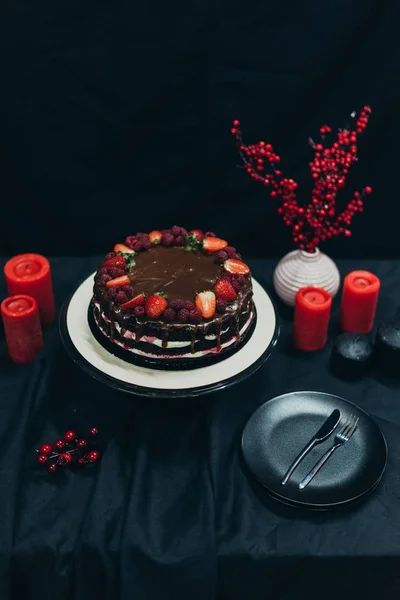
(173, 295)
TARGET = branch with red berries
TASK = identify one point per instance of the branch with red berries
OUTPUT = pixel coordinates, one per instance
(319, 220)
(69, 451)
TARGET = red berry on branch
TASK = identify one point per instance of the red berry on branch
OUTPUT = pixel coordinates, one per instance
(328, 169)
(52, 468)
(93, 456)
(69, 436)
(45, 448)
(81, 461)
(41, 459)
(64, 459)
(347, 233)
(236, 123)
(368, 190)
(82, 443)
(59, 445)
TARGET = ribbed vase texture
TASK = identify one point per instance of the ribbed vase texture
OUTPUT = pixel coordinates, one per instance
(298, 269)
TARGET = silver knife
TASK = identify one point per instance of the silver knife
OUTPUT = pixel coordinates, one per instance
(324, 432)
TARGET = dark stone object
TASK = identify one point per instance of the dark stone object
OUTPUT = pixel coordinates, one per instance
(352, 355)
(387, 348)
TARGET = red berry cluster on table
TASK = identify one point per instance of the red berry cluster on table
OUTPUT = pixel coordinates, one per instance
(70, 450)
(117, 275)
(318, 220)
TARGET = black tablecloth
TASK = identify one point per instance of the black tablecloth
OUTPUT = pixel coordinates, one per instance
(170, 512)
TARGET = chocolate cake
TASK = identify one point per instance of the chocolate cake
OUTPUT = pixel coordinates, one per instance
(172, 298)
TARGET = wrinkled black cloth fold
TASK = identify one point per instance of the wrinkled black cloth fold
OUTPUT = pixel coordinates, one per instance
(170, 511)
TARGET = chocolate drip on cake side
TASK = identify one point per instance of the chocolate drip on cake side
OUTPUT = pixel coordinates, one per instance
(193, 335)
(165, 336)
(219, 329)
(237, 327)
(139, 331)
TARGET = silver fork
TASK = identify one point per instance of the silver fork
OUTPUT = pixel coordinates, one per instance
(342, 436)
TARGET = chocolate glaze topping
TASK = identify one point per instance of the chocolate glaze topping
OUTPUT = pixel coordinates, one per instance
(175, 271)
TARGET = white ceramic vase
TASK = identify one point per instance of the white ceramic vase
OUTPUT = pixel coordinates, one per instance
(298, 269)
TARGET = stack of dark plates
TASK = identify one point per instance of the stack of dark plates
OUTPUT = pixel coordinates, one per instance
(279, 429)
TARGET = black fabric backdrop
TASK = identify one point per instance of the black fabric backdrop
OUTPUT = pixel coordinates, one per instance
(115, 116)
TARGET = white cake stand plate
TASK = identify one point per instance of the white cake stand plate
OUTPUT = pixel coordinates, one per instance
(90, 355)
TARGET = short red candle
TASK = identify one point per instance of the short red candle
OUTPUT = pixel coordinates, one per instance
(359, 300)
(30, 274)
(311, 318)
(22, 328)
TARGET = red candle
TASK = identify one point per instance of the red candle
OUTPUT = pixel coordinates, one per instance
(311, 318)
(359, 300)
(30, 274)
(22, 328)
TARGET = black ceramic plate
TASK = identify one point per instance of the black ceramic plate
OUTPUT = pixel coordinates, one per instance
(280, 428)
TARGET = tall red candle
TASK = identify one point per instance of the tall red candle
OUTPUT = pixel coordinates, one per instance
(311, 318)
(30, 274)
(22, 328)
(359, 300)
